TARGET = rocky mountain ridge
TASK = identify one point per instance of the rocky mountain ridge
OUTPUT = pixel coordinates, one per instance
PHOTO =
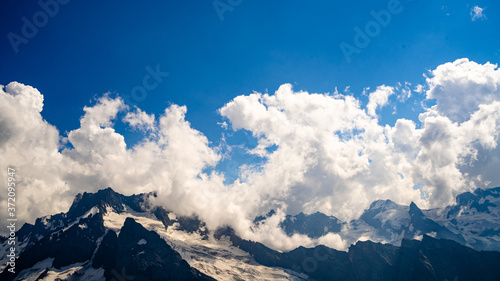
(109, 236)
(473, 221)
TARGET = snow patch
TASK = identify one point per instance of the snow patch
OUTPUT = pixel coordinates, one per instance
(75, 272)
(432, 234)
(396, 217)
(172, 216)
(92, 212)
(35, 271)
(418, 237)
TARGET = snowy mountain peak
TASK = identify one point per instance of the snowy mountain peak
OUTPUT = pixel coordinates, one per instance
(103, 199)
(383, 204)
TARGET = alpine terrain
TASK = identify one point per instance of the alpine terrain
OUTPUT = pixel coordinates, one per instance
(109, 236)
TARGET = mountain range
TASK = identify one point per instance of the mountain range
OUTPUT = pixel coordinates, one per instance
(109, 236)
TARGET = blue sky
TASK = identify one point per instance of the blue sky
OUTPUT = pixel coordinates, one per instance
(369, 134)
(90, 48)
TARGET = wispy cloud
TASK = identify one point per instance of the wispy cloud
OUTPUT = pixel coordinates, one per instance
(476, 13)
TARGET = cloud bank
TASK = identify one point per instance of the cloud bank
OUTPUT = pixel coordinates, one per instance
(322, 152)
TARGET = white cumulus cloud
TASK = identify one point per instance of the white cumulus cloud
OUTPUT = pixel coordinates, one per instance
(329, 153)
(459, 87)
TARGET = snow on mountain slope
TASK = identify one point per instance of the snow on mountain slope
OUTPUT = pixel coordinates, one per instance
(476, 216)
(392, 215)
(387, 222)
(383, 222)
(76, 272)
(30, 234)
(215, 258)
